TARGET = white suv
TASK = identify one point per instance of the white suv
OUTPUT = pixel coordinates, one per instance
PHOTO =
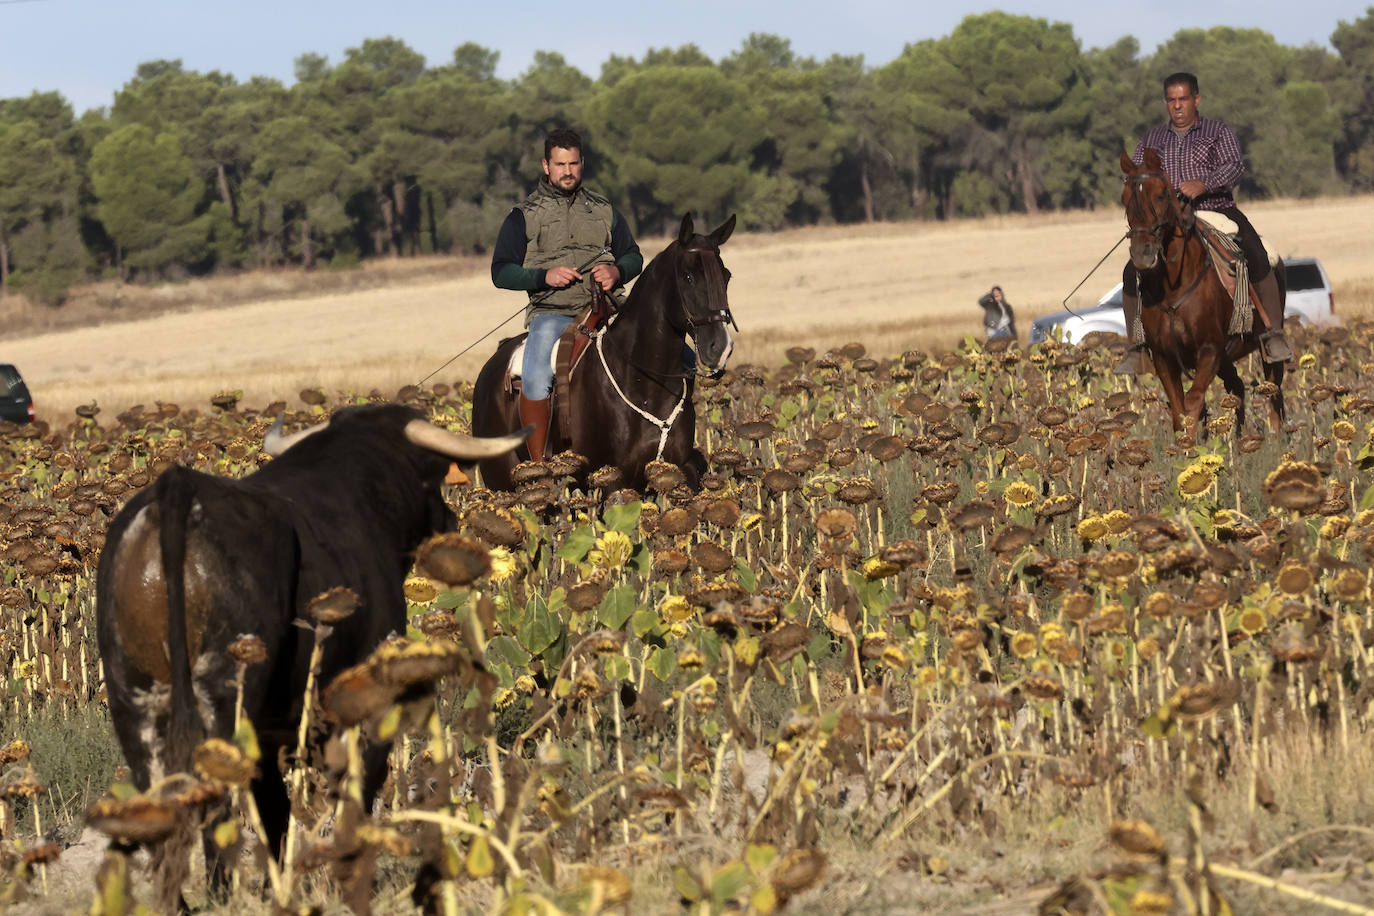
(1309, 292)
(1309, 298)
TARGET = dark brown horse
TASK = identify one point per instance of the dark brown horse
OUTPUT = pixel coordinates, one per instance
(631, 400)
(1185, 308)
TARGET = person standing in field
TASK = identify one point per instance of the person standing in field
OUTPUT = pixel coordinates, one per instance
(1203, 162)
(998, 318)
(553, 246)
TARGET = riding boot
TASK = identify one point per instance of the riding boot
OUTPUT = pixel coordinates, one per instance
(535, 413)
(1273, 343)
(1132, 362)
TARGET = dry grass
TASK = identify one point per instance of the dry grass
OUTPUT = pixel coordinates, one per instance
(889, 286)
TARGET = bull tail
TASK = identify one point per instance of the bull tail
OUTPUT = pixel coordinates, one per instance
(176, 492)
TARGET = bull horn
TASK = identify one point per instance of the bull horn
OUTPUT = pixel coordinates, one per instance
(461, 447)
(274, 443)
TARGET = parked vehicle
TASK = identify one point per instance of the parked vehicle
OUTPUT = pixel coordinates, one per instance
(1309, 292)
(1310, 300)
(16, 404)
(1074, 325)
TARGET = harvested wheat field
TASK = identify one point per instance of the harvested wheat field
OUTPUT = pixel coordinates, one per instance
(948, 628)
(888, 286)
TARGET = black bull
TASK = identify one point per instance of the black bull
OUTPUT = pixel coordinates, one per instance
(195, 561)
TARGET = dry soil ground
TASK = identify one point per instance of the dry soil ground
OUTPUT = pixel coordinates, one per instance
(890, 286)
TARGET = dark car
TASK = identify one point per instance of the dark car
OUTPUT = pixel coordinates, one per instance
(16, 404)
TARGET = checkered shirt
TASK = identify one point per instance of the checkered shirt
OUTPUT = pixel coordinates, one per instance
(1207, 152)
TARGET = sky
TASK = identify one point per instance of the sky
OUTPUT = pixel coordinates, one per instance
(88, 49)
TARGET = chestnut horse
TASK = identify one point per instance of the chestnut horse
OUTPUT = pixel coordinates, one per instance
(1184, 307)
(631, 400)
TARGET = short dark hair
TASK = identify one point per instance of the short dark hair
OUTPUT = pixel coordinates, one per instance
(562, 138)
(1181, 78)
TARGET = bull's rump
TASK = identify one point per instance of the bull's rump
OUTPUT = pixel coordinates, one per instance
(238, 579)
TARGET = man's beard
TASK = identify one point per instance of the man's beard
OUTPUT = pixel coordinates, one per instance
(567, 189)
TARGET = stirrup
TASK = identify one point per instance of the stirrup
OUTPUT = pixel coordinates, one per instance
(1130, 362)
(1274, 346)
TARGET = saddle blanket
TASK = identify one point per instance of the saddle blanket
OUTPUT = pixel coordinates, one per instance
(516, 366)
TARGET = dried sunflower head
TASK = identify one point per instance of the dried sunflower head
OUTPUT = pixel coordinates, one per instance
(401, 663)
(857, 491)
(16, 751)
(1350, 584)
(453, 559)
(498, 527)
(136, 820)
(1196, 479)
(1139, 838)
(355, 696)
(248, 650)
(1294, 485)
(1043, 688)
(217, 759)
(836, 523)
(1294, 578)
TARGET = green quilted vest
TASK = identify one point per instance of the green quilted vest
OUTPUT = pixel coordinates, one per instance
(570, 230)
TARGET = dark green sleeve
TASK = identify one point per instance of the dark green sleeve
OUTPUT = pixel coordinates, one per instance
(624, 248)
(508, 270)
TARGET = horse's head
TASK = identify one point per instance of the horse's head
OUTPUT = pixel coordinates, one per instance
(701, 280)
(1152, 208)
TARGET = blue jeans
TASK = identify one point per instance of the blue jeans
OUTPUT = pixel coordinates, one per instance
(536, 372)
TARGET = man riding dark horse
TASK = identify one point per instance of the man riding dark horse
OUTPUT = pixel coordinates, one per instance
(563, 238)
(1203, 161)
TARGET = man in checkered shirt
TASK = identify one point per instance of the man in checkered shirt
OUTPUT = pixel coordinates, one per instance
(1202, 159)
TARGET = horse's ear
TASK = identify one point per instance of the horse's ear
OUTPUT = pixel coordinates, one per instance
(684, 235)
(723, 231)
(1127, 164)
(1152, 160)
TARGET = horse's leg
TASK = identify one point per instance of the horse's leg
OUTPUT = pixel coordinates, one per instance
(1273, 372)
(1167, 370)
(494, 413)
(1230, 379)
(1195, 402)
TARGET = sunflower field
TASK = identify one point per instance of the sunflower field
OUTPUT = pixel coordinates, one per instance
(969, 631)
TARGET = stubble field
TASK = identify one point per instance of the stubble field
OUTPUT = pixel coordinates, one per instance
(890, 287)
(949, 630)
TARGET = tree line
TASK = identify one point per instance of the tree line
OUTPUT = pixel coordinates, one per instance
(383, 155)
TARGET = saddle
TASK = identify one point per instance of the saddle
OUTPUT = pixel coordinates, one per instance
(567, 356)
(1218, 233)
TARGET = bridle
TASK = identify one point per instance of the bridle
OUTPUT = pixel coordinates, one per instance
(1155, 232)
(713, 316)
(1173, 217)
